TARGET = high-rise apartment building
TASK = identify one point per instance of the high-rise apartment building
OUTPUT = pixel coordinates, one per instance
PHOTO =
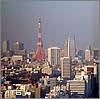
(65, 67)
(54, 56)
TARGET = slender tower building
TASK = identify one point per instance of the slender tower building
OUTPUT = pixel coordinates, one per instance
(71, 46)
(40, 54)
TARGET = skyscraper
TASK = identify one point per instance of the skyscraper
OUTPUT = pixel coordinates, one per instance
(71, 47)
(88, 54)
(18, 46)
(81, 54)
(54, 55)
(5, 46)
(65, 67)
(96, 53)
(66, 49)
(40, 54)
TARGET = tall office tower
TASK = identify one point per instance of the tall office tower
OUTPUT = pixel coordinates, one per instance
(88, 54)
(71, 47)
(96, 53)
(40, 54)
(66, 49)
(62, 52)
(65, 67)
(54, 56)
(18, 46)
(5, 46)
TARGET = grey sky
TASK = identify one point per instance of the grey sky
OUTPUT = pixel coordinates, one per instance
(60, 20)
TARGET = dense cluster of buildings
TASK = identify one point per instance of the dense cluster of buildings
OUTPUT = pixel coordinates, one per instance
(65, 72)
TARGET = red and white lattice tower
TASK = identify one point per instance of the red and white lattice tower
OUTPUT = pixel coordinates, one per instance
(40, 54)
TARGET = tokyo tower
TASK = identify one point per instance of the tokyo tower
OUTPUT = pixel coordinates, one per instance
(40, 54)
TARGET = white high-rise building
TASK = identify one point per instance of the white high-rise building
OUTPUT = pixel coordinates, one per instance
(65, 67)
(54, 56)
(71, 47)
(88, 54)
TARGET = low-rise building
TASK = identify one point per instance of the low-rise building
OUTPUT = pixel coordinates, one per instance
(15, 58)
(76, 86)
(13, 93)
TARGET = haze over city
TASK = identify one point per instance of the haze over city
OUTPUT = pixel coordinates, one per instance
(59, 20)
(50, 49)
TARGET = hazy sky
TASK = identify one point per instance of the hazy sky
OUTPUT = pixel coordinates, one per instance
(60, 19)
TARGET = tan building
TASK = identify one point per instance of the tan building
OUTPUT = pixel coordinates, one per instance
(91, 69)
(37, 90)
(87, 55)
(46, 69)
(76, 86)
(15, 58)
(12, 93)
(5, 46)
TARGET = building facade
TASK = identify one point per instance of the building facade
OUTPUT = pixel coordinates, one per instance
(71, 47)
(54, 56)
(65, 67)
(87, 54)
(76, 86)
(96, 53)
(5, 46)
(17, 46)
